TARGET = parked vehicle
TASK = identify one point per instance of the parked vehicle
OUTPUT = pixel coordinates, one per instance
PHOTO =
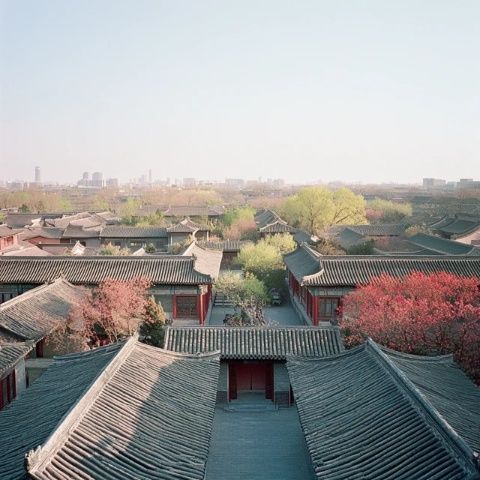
(275, 296)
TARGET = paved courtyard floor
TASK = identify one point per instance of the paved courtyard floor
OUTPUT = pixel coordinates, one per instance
(258, 445)
(283, 315)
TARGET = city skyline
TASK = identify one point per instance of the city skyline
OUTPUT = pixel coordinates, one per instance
(371, 93)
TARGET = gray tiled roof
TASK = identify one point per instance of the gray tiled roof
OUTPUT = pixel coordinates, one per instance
(277, 227)
(264, 217)
(185, 226)
(269, 221)
(312, 269)
(81, 219)
(447, 388)
(11, 354)
(206, 261)
(458, 225)
(34, 314)
(443, 245)
(8, 232)
(301, 236)
(45, 232)
(362, 419)
(349, 237)
(225, 245)
(255, 343)
(28, 421)
(303, 262)
(380, 230)
(166, 270)
(149, 414)
(16, 220)
(78, 231)
(121, 231)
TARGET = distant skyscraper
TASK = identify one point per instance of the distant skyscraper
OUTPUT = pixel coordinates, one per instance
(97, 179)
(38, 178)
(86, 176)
(150, 176)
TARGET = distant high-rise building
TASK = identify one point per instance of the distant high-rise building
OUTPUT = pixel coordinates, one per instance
(150, 176)
(235, 182)
(86, 176)
(112, 182)
(433, 182)
(97, 179)
(38, 178)
(189, 182)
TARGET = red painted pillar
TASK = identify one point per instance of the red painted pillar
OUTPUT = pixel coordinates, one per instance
(316, 302)
(200, 308)
(174, 306)
(209, 292)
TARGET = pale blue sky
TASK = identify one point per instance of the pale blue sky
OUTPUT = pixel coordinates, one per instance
(368, 90)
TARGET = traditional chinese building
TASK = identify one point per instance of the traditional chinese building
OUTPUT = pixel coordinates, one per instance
(253, 358)
(12, 370)
(373, 413)
(269, 223)
(318, 283)
(464, 228)
(127, 410)
(183, 284)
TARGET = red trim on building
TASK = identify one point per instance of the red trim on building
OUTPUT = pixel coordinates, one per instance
(8, 389)
(174, 306)
(39, 348)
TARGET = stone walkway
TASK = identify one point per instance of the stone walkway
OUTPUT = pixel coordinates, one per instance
(266, 445)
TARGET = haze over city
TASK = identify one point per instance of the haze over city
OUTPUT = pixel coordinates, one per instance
(355, 91)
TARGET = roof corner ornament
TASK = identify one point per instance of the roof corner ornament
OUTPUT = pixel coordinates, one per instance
(32, 459)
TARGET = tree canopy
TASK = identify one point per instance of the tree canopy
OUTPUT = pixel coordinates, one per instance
(114, 310)
(386, 211)
(316, 208)
(110, 249)
(264, 259)
(419, 314)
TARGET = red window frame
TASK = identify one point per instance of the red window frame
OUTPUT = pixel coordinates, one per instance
(186, 306)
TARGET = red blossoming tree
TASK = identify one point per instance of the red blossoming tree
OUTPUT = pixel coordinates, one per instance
(419, 314)
(114, 310)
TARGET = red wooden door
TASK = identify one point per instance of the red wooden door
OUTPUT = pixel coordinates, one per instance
(232, 381)
(269, 387)
(250, 376)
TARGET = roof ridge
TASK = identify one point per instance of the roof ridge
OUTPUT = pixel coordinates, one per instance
(259, 328)
(422, 358)
(36, 459)
(174, 354)
(342, 354)
(441, 428)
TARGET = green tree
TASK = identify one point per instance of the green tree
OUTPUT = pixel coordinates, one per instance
(152, 330)
(263, 260)
(386, 211)
(283, 242)
(240, 289)
(110, 249)
(241, 213)
(366, 248)
(249, 295)
(259, 258)
(128, 210)
(316, 208)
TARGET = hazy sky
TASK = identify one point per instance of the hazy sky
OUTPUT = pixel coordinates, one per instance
(368, 90)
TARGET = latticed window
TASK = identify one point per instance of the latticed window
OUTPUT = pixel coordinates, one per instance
(328, 308)
(186, 306)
